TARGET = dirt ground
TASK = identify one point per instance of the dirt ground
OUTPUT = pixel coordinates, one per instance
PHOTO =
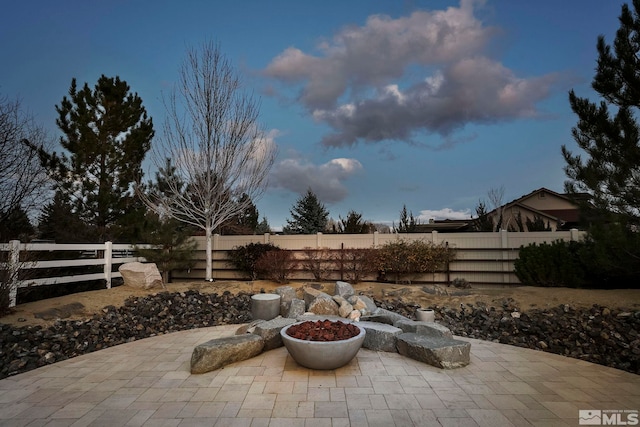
(86, 304)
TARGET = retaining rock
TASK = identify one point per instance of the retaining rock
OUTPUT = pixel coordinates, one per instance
(439, 352)
(269, 331)
(219, 352)
(380, 336)
(428, 329)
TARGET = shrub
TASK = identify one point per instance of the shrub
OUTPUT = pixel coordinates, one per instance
(355, 264)
(404, 258)
(318, 262)
(276, 265)
(551, 264)
(244, 258)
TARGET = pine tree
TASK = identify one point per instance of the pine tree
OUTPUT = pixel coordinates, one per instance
(60, 223)
(408, 223)
(610, 139)
(106, 136)
(610, 172)
(353, 224)
(309, 216)
(244, 222)
(482, 222)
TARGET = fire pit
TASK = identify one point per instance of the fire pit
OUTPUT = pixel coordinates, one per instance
(322, 344)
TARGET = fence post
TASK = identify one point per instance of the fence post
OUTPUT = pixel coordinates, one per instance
(266, 238)
(504, 245)
(375, 239)
(318, 240)
(108, 262)
(13, 271)
(434, 236)
(574, 235)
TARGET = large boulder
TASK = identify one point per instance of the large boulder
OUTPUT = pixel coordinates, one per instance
(142, 276)
(311, 294)
(287, 294)
(344, 289)
(380, 336)
(440, 352)
(270, 331)
(324, 306)
(219, 352)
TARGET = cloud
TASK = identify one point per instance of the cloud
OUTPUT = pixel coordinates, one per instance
(326, 180)
(397, 79)
(446, 213)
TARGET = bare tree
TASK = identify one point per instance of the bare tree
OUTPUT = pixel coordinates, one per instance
(496, 195)
(23, 182)
(214, 140)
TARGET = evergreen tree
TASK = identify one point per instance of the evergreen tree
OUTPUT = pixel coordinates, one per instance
(244, 222)
(408, 223)
(611, 142)
(610, 139)
(15, 225)
(482, 222)
(106, 136)
(263, 226)
(60, 223)
(309, 216)
(353, 224)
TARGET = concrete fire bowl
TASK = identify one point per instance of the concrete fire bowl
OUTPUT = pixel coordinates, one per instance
(322, 354)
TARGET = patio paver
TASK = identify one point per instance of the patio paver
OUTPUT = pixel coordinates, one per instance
(148, 383)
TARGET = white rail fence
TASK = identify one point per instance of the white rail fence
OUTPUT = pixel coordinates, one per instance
(18, 260)
(481, 258)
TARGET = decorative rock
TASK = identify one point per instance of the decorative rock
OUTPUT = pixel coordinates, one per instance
(358, 304)
(427, 329)
(344, 289)
(380, 336)
(345, 308)
(324, 306)
(297, 308)
(270, 331)
(265, 306)
(311, 294)
(370, 306)
(287, 294)
(142, 276)
(219, 352)
(439, 352)
(355, 315)
(385, 316)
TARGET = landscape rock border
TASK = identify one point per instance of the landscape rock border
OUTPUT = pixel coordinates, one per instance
(426, 342)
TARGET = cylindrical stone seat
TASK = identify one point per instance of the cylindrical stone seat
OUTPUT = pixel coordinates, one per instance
(265, 306)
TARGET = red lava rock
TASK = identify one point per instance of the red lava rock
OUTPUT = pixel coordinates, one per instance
(323, 330)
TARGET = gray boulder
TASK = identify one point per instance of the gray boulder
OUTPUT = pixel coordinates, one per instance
(297, 308)
(269, 331)
(344, 289)
(287, 294)
(439, 352)
(380, 336)
(429, 329)
(384, 316)
(219, 352)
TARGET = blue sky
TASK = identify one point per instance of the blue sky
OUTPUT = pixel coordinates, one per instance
(373, 104)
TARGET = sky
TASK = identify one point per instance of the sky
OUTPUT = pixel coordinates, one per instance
(374, 105)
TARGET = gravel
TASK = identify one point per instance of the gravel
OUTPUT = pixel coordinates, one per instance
(600, 335)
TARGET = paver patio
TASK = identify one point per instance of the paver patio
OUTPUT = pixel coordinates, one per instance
(148, 383)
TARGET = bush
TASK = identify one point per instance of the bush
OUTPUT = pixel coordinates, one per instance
(355, 264)
(318, 262)
(245, 258)
(407, 259)
(551, 264)
(276, 265)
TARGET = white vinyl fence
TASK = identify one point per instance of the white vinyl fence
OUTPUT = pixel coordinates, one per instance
(20, 258)
(482, 259)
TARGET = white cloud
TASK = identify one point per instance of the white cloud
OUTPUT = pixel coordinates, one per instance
(325, 180)
(446, 213)
(361, 86)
